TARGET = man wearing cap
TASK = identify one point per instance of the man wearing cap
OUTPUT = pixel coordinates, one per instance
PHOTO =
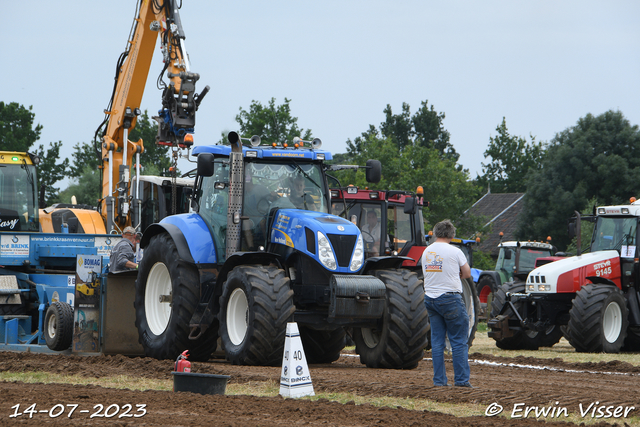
(122, 254)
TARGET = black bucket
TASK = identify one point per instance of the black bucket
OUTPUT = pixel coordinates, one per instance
(199, 383)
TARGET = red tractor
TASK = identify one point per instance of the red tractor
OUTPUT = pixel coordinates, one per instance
(391, 222)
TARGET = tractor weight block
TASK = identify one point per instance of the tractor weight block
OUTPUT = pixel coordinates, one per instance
(356, 297)
(499, 328)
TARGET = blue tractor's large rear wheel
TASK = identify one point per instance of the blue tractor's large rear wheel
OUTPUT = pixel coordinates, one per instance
(167, 293)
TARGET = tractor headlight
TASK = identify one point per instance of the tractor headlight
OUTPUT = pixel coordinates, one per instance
(531, 288)
(325, 253)
(544, 288)
(358, 255)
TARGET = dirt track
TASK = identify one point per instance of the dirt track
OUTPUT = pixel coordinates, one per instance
(504, 385)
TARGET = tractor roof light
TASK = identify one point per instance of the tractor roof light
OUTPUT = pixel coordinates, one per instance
(632, 200)
(188, 139)
(601, 211)
(374, 195)
(625, 210)
(352, 190)
(419, 191)
(335, 194)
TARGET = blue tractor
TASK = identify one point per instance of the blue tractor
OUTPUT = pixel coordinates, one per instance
(260, 250)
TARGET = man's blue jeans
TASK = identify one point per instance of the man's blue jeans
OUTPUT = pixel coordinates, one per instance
(448, 316)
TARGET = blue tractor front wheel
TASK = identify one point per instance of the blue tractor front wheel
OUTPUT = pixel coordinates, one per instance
(256, 305)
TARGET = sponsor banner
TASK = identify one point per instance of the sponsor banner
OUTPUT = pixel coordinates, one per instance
(14, 245)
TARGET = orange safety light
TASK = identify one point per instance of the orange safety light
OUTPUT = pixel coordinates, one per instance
(419, 190)
(274, 145)
(633, 199)
(478, 239)
(285, 145)
(172, 169)
(501, 234)
(296, 145)
(188, 138)
(548, 238)
(430, 233)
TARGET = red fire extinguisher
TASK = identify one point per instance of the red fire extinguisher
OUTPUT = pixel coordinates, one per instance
(182, 364)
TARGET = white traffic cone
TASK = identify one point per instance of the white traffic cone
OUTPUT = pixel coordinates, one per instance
(295, 379)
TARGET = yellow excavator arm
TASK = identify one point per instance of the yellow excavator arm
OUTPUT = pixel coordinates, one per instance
(179, 104)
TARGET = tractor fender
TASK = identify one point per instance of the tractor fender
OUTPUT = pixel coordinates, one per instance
(247, 258)
(384, 263)
(176, 235)
(191, 235)
(493, 274)
(236, 259)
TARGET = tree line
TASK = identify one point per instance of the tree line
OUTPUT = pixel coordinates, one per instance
(591, 160)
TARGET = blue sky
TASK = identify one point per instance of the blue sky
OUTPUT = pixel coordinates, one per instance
(541, 64)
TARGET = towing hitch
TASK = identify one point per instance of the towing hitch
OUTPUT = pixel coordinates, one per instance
(499, 328)
(499, 325)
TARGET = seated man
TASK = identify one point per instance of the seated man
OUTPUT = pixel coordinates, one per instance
(371, 233)
(256, 205)
(298, 196)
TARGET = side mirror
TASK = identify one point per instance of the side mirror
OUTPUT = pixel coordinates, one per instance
(410, 205)
(572, 230)
(205, 164)
(374, 171)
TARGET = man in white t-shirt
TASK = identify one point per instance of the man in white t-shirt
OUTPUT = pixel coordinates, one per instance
(444, 266)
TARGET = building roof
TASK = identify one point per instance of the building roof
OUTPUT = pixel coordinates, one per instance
(501, 211)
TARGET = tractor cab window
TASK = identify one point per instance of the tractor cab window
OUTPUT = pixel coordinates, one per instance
(371, 228)
(528, 257)
(399, 227)
(18, 206)
(150, 204)
(505, 264)
(614, 233)
(214, 203)
(269, 186)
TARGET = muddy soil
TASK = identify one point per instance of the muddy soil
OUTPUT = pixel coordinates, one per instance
(513, 384)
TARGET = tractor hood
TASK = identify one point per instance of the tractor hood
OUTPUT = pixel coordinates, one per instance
(569, 274)
(306, 231)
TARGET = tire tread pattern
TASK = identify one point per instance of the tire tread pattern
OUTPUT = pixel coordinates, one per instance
(405, 325)
(185, 297)
(585, 328)
(63, 314)
(271, 307)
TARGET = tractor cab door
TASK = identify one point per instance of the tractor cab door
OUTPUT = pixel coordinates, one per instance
(406, 230)
(506, 263)
(214, 203)
(151, 201)
(18, 207)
